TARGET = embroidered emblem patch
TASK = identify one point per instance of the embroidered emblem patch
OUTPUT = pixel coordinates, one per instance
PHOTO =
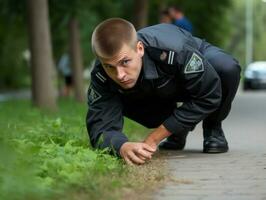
(163, 56)
(93, 95)
(194, 64)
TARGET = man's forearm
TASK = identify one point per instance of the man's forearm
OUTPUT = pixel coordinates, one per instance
(155, 137)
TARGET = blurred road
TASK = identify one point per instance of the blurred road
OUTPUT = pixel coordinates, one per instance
(11, 95)
(238, 174)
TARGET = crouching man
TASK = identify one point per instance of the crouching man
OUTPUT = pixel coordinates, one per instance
(141, 75)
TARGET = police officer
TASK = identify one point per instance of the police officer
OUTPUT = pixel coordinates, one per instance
(142, 75)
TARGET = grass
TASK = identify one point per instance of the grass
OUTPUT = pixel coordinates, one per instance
(47, 156)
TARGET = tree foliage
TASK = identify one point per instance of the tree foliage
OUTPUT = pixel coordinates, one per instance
(236, 43)
(13, 67)
(209, 17)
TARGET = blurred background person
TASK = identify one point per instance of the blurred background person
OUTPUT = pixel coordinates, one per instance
(178, 18)
(165, 17)
(65, 70)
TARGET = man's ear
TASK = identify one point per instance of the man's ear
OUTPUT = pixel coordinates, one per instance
(140, 48)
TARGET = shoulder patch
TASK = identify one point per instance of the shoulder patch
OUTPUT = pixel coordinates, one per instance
(93, 95)
(194, 65)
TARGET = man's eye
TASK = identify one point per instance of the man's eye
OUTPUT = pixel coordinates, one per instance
(125, 62)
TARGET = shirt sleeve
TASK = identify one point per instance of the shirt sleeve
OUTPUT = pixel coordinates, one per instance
(104, 117)
(203, 86)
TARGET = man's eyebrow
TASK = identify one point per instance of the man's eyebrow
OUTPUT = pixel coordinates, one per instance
(124, 58)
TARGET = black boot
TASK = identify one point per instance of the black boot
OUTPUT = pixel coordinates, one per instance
(174, 142)
(214, 141)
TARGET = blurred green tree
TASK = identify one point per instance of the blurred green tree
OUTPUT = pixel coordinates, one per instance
(141, 10)
(209, 17)
(259, 30)
(43, 90)
(237, 44)
(77, 19)
(13, 63)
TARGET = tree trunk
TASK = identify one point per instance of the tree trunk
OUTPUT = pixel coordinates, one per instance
(162, 6)
(43, 90)
(141, 8)
(76, 60)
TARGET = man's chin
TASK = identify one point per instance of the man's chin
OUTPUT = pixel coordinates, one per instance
(128, 86)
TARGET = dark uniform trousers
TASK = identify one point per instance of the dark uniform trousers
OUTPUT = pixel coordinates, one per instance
(151, 114)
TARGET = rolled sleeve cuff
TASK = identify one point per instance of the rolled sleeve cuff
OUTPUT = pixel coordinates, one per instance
(112, 140)
(172, 125)
(116, 143)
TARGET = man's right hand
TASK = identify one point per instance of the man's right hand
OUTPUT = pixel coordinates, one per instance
(136, 152)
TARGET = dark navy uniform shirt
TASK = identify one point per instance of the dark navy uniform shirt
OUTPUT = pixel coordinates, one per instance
(173, 70)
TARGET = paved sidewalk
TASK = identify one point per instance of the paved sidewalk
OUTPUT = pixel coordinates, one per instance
(238, 174)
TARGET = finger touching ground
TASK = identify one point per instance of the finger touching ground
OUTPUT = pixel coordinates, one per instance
(144, 153)
(135, 159)
(128, 161)
(142, 158)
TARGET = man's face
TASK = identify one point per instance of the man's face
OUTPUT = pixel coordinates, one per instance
(175, 14)
(165, 19)
(124, 68)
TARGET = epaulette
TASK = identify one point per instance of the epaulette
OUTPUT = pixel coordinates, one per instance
(100, 77)
(99, 73)
(167, 59)
(163, 56)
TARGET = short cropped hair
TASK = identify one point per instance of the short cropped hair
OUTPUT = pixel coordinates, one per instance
(176, 8)
(110, 35)
(165, 12)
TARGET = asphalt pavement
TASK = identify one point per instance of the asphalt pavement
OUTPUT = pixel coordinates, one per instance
(238, 174)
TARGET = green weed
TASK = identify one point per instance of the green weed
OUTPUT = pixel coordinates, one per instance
(48, 156)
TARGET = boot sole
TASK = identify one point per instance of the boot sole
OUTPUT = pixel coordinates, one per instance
(215, 150)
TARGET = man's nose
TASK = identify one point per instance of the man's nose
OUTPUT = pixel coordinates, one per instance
(120, 73)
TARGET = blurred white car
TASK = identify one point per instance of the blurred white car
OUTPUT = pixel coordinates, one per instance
(255, 76)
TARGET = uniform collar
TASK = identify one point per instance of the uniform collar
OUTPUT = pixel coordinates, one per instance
(149, 67)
